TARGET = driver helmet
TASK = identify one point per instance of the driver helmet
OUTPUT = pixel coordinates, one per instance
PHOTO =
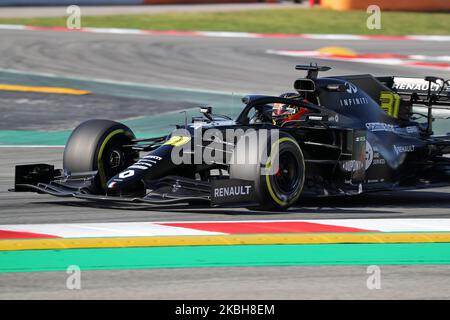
(283, 112)
(280, 110)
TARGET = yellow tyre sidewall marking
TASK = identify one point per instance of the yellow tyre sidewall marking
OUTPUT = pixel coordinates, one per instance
(275, 147)
(101, 170)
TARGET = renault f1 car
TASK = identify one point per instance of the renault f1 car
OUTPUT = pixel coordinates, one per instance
(338, 135)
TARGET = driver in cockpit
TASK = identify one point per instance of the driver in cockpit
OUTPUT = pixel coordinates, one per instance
(282, 113)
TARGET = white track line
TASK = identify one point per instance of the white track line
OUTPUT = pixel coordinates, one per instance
(118, 82)
(423, 62)
(28, 146)
(223, 34)
(90, 230)
(133, 229)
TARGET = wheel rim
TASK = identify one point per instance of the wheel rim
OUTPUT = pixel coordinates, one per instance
(286, 179)
(115, 158)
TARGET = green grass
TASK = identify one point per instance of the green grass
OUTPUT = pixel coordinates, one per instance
(273, 20)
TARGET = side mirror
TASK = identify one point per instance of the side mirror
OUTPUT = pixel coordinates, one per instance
(207, 112)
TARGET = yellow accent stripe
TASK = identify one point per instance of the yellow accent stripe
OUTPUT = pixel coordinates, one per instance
(245, 239)
(10, 87)
(177, 141)
(101, 170)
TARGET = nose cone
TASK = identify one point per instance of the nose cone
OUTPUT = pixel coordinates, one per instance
(153, 166)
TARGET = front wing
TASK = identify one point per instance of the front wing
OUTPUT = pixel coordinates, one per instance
(44, 179)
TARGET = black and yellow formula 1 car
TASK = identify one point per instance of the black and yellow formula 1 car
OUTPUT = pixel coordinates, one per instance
(354, 134)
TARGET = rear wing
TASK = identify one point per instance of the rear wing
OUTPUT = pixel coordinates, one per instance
(431, 92)
(420, 90)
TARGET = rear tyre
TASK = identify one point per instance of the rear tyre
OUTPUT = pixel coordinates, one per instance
(97, 145)
(280, 188)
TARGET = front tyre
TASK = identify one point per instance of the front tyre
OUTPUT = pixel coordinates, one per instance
(278, 185)
(98, 145)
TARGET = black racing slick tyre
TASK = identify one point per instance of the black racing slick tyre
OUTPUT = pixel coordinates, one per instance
(278, 177)
(97, 145)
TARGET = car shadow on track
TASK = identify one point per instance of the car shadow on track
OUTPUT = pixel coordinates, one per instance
(375, 203)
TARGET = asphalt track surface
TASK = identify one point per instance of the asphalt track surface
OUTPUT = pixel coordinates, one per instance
(30, 110)
(339, 282)
(239, 65)
(222, 64)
